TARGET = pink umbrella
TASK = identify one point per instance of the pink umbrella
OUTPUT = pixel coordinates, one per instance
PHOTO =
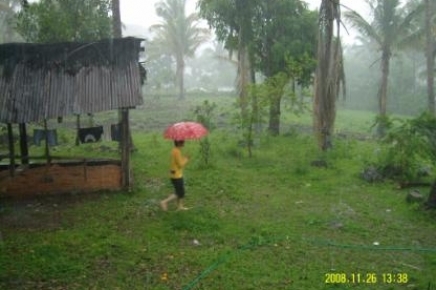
(185, 130)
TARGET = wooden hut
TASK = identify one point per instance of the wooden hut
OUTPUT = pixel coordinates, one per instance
(39, 82)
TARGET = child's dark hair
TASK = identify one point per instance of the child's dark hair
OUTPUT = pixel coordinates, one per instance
(179, 143)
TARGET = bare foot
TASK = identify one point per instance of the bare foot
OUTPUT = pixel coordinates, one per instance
(163, 206)
(183, 208)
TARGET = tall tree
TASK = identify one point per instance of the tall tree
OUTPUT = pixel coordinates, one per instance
(329, 72)
(430, 54)
(423, 39)
(388, 29)
(178, 35)
(8, 10)
(265, 35)
(284, 43)
(65, 20)
(233, 22)
(126, 143)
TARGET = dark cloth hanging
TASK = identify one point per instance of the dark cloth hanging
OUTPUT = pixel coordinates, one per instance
(91, 134)
(39, 135)
(116, 132)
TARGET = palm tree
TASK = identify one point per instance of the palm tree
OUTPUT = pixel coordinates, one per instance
(388, 30)
(178, 35)
(424, 37)
(329, 73)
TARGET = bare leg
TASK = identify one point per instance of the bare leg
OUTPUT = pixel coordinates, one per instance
(180, 204)
(164, 203)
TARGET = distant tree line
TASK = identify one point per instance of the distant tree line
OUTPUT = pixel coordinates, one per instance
(282, 41)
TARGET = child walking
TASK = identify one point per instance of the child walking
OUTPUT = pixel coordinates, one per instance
(178, 162)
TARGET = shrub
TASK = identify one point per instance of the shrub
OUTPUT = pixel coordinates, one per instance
(406, 147)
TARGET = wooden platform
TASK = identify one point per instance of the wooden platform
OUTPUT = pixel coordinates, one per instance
(61, 177)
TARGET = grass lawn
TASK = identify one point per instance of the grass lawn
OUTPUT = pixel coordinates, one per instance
(272, 221)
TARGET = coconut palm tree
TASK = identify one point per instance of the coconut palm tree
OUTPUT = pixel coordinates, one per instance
(423, 38)
(178, 35)
(388, 29)
(329, 73)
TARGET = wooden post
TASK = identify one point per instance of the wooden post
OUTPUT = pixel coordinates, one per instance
(431, 201)
(11, 150)
(125, 149)
(23, 144)
(77, 130)
(47, 150)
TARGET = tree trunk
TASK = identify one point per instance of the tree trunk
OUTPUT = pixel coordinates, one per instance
(430, 57)
(243, 78)
(254, 121)
(323, 81)
(126, 143)
(383, 93)
(274, 116)
(180, 71)
(116, 14)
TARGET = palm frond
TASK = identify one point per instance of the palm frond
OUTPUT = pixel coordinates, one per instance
(364, 27)
(177, 34)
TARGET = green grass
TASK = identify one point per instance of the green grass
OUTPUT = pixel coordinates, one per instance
(272, 221)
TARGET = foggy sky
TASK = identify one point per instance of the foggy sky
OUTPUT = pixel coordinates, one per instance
(142, 12)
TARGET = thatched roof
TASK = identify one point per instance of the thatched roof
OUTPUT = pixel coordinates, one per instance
(44, 81)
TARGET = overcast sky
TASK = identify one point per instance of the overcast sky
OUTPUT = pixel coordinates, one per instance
(143, 13)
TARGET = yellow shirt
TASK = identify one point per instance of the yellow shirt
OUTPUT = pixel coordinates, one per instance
(177, 163)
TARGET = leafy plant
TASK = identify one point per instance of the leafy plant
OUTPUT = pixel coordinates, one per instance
(249, 120)
(408, 144)
(65, 20)
(205, 114)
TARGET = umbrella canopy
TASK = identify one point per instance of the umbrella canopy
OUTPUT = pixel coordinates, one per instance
(185, 130)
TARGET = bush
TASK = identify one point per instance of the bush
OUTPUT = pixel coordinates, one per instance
(407, 147)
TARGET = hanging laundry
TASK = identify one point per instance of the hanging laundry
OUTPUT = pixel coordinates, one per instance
(91, 134)
(116, 132)
(39, 135)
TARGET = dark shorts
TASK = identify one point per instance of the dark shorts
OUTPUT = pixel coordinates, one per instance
(179, 187)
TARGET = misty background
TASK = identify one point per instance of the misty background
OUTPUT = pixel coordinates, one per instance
(210, 71)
